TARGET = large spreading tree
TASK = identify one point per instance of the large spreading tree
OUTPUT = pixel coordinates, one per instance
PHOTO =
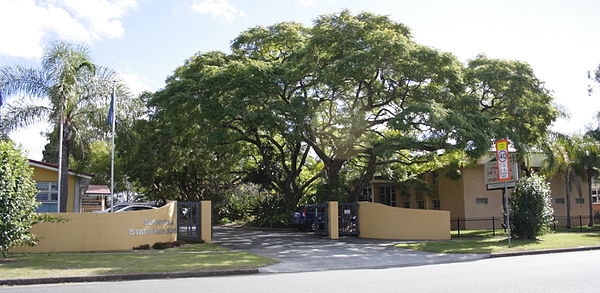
(354, 92)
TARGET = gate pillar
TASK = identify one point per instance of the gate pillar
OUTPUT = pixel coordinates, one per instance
(206, 221)
(332, 224)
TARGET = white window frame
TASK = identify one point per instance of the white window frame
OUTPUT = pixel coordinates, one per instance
(48, 191)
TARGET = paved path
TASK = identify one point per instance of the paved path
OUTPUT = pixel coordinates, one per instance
(304, 252)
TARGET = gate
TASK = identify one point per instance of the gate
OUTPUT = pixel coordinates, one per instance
(188, 221)
(347, 214)
(320, 224)
(348, 218)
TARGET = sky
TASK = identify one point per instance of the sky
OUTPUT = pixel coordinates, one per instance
(146, 40)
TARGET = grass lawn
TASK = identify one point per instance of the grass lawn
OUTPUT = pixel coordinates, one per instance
(207, 257)
(483, 242)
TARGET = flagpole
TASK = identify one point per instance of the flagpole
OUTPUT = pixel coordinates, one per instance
(112, 155)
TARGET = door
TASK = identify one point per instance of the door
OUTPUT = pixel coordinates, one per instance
(387, 195)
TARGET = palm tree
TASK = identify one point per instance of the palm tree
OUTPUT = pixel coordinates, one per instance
(560, 153)
(76, 90)
(587, 161)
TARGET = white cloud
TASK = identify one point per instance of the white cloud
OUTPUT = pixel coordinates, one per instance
(135, 83)
(308, 2)
(219, 9)
(26, 24)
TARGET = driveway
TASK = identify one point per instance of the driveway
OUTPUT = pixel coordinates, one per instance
(303, 252)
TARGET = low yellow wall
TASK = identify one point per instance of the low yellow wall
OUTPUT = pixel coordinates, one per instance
(106, 231)
(384, 222)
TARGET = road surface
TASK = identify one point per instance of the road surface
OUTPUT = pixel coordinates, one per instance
(559, 272)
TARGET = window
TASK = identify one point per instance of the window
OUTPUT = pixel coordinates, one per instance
(481, 200)
(407, 204)
(436, 204)
(367, 194)
(421, 204)
(48, 196)
(559, 200)
(580, 200)
(387, 195)
(595, 199)
(435, 178)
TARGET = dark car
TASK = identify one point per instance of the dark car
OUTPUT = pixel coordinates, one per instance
(304, 217)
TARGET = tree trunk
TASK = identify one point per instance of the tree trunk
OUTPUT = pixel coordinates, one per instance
(568, 194)
(333, 177)
(64, 176)
(366, 177)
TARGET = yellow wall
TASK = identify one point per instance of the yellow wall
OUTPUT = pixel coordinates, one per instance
(384, 222)
(106, 231)
(46, 175)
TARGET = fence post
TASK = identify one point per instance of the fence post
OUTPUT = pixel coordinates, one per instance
(458, 225)
(580, 226)
(206, 221)
(332, 220)
(493, 226)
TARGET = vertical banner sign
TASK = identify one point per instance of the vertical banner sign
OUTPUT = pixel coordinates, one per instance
(503, 160)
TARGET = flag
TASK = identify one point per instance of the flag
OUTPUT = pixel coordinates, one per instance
(111, 109)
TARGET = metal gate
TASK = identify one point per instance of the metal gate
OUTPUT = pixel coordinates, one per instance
(188, 221)
(320, 224)
(348, 218)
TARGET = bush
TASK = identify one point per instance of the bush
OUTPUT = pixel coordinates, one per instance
(142, 247)
(530, 209)
(165, 245)
(17, 198)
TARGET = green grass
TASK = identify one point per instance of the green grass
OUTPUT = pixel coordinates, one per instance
(473, 242)
(209, 257)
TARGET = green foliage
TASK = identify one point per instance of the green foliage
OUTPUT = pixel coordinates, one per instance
(77, 91)
(354, 92)
(17, 198)
(269, 211)
(530, 208)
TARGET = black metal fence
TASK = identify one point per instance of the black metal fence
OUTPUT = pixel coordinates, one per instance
(558, 224)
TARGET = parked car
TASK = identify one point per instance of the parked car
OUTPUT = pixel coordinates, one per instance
(126, 206)
(135, 208)
(304, 217)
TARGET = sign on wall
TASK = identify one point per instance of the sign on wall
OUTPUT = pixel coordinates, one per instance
(491, 176)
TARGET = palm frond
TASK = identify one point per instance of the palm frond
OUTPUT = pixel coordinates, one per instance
(24, 114)
(24, 81)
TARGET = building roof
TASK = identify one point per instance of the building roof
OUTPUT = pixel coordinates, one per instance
(53, 167)
(97, 190)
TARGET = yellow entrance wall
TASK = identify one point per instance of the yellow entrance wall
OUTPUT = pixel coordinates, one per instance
(384, 222)
(45, 175)
(105, 231)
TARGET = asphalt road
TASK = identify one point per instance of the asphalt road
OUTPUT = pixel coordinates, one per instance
(559, 272)
(305, 252)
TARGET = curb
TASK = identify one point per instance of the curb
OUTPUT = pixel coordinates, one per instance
(545, 251)
(130, 277)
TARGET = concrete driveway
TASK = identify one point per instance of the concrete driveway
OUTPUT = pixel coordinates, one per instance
(303, 252)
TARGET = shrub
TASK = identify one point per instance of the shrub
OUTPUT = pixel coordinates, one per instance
(530, 210)
(17, 198)
(165, 245)
(142, 247)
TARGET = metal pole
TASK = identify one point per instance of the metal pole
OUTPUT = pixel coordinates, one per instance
(507, 212)
(112, 154)
(458, 225)
(60, 157)
(493, 226)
